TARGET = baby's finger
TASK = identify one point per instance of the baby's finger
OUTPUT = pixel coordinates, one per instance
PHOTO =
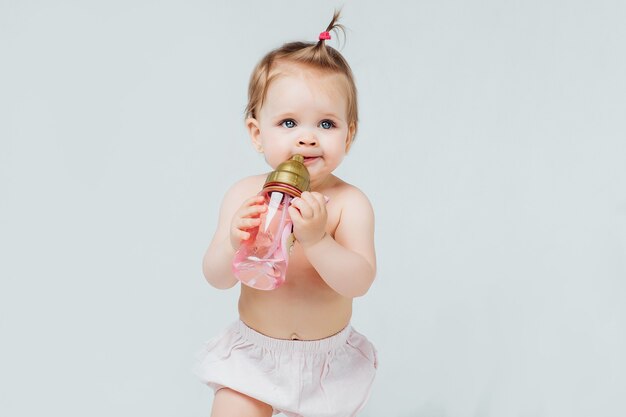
(239, 234)
(312, 200)
(294, 213)
(247, 223)
(305, 210)
(257, 199)
(252, 211)
(243, 235)
(321, 199)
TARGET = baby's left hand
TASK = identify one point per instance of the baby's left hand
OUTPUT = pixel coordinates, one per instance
(308, 214)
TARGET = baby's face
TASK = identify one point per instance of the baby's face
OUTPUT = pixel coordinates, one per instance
(304, 112)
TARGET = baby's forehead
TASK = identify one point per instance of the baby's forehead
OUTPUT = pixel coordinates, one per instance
(294, 94)
(304, 73)
(284, 76)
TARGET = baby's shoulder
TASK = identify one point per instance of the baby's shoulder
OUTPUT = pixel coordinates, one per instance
(243, 189)
(349, 195)
(355, 214)
(253, 181)
(247, 186)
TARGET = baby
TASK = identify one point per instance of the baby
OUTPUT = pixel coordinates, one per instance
(293, 349)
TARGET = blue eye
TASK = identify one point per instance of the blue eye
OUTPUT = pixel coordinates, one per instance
(289, 123)
(327, 124)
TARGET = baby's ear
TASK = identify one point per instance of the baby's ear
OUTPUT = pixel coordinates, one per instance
(350, 137)
(252, 125)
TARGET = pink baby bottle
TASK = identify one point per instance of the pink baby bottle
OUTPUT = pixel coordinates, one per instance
(261, 261)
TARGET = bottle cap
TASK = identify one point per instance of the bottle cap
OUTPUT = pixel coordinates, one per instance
(290, 177)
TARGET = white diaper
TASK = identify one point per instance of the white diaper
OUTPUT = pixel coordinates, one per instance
(331, 377)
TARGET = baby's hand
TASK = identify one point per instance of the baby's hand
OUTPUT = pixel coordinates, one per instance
(247, 217)
(309, 216)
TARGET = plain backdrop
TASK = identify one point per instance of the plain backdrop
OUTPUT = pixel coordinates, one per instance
(492, 145)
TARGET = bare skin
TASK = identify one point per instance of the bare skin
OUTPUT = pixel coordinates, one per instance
(229, 403)
(305, 307)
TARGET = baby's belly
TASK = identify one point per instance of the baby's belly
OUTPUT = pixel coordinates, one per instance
(303, 308)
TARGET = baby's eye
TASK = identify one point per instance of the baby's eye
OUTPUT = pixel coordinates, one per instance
(289, 123)
(327, 124)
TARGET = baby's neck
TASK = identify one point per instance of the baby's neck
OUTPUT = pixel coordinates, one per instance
(321, 184)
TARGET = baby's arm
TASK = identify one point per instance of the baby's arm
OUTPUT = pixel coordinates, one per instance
(234, 219)
(346, 263)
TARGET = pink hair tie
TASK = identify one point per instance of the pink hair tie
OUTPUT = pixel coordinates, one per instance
(324, 36)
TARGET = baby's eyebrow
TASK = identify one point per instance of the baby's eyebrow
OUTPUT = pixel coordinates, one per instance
(328, 115)
(285, 115)
(334, 117)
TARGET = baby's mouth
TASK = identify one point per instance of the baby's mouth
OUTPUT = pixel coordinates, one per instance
(310, 158)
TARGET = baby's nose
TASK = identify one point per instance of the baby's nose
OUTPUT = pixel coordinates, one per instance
(307, 142)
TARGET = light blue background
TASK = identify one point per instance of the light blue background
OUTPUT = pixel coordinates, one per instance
(492, 146)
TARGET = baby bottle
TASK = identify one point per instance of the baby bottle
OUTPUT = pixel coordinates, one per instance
(261, 261)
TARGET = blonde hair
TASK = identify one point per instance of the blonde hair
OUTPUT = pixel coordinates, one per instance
(316, 55)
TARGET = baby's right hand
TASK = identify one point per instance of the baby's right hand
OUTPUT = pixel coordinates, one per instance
(247, 217)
